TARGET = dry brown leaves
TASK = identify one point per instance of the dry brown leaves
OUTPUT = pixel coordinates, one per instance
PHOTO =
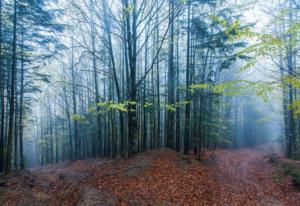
(246, 178)
(162, 177)
(170, 179)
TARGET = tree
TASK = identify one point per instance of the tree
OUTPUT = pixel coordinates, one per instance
(12, 92)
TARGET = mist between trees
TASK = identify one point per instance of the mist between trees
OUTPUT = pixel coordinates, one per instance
(112, 78)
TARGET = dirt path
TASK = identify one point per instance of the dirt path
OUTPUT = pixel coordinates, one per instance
(246, 177)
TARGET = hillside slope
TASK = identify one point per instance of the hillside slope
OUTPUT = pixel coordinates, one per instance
(161, 177)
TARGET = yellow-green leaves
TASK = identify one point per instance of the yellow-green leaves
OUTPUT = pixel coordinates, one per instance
(218, 20)
(111, 105)
(130, 103)
(248, 64)
(79, 118)
(170, 107)
(103, 104)
(262, 89)
(177, 105)
(227, 88)
(239, 87)
(92, 109)
(125, 106)
(233, 30)
(295, 82)
(271, 45)
(118, 106)
(294, 28)
(295, 106)
(148, 105)
(199, 86)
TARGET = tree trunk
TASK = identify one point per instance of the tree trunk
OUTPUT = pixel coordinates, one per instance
(171, 81)
(97, 140)
(2, 103)
(21, 127)
(12, 92)
(76, 136)
(178, 109)
(131, 40)
(187, 98)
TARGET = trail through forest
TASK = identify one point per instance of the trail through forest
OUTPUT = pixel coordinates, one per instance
(162, 177)
(246, 177)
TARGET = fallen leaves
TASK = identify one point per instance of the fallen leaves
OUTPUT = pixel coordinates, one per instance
(245, 178)
(169, 178)
(162, 177)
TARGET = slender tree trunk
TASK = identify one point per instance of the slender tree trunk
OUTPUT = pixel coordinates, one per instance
(290, 65)
(68, 115)
(178, 110)
(12, 92)
(21, 127)
(76, 136)
(16, 126)
(187, 98)
(158, 140)
(145, 134)
(171, 81)
(2, 103)
(50, 130)
(56, 133)
(97, 139)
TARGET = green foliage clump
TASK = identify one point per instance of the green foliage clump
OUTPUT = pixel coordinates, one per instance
(238, 87)
(177, 105)
(170, 107)
(148, 105)
(233, 30)
(198, 86)
(111, 105)
(295, 106)
(79, 118)
(118, 106)
(295, 83)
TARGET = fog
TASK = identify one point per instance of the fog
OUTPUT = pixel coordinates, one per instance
(90, 69)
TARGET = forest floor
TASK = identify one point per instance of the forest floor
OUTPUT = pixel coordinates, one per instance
(160, 178)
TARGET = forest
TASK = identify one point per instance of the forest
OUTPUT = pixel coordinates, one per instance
(100, 99)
